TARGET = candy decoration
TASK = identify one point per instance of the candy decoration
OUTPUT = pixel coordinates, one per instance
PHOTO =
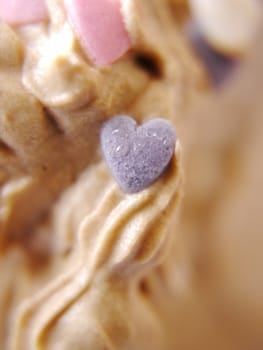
(137, 155)
(100, 27)
(19, 12)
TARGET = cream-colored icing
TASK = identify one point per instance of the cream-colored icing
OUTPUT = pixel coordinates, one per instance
(83, 245)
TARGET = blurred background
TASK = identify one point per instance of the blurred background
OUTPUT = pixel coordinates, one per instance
(219, 281)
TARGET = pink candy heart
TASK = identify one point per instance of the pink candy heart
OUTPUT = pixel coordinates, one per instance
(100, 27)
(16, 12)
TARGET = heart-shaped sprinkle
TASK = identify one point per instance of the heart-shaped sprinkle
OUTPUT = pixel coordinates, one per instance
(18, 12)
(137, 155)
(100, 27)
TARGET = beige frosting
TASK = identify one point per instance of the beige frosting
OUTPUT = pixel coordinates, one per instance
(84, 265)
(83, 247)
(111, 249)
(48, 137)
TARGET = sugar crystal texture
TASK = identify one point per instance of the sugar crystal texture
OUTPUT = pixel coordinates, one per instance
(137, 155)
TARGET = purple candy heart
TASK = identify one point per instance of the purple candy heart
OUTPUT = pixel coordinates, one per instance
(137, 155)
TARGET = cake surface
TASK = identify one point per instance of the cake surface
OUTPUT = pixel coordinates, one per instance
(85, 265)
